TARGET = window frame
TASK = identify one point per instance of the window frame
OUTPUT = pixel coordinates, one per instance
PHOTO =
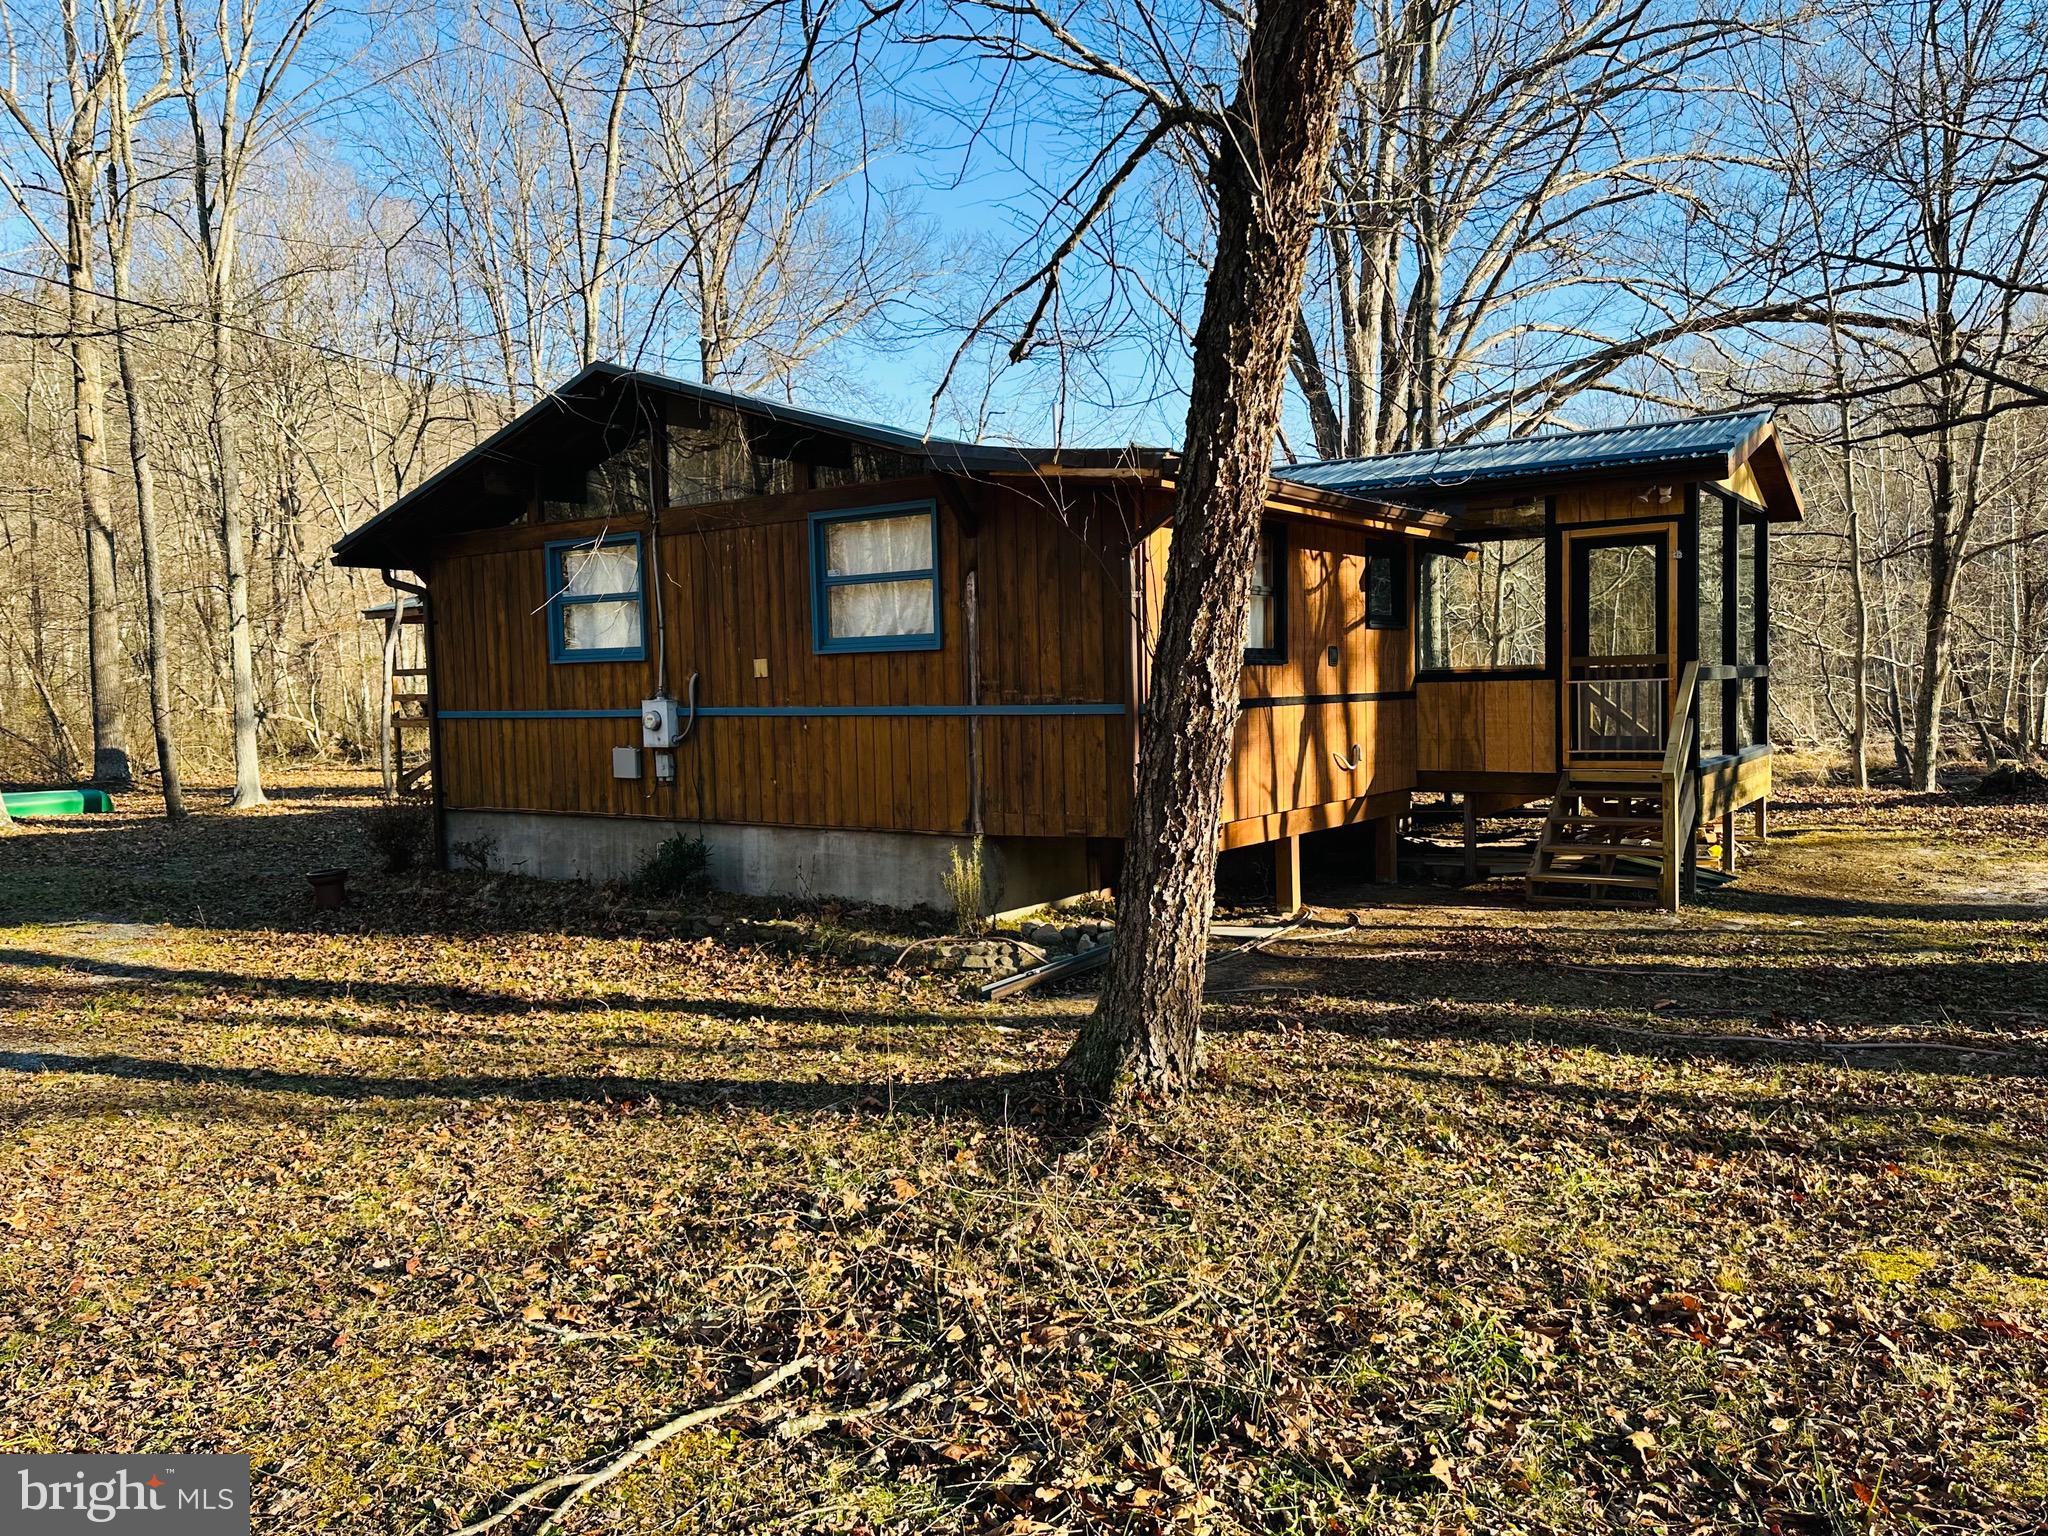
(560, 654)
(1551, 540)
(823, 641)
(1397, 557)
(1274, 655)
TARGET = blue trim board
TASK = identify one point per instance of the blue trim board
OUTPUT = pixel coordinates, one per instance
(798, 712)
(558, 599)
(539, 714)
(823, 642)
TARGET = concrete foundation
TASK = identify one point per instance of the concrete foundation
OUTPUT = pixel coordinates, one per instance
(891, 869)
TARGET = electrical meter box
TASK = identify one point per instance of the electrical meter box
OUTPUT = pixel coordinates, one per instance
(660, 723)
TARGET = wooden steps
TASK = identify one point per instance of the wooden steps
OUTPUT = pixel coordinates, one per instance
(1603, 843)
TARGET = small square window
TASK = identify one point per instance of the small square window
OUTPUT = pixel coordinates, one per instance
(1265, 634)
(1386, 589)
(875, 579)
(595, 607)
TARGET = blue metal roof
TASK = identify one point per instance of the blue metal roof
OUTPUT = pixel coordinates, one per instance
(1690, 439)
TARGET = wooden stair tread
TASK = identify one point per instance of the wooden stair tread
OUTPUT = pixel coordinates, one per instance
(1594, 877)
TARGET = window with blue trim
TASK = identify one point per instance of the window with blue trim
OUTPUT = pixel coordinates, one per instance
(596, 606)
(875, 578)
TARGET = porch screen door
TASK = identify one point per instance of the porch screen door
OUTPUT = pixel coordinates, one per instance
(1619, 675)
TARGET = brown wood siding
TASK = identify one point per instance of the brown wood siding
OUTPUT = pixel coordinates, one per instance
(736, 586)
(1623, 502)
(1053, 590)
(1284, 756)
(1487, 725)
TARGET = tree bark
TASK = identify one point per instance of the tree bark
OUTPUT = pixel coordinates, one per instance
(1429, 256)
(120, 230)
(1859, 598)
(215, 193)
(152, 554)
(110, 764)
(1268, 171)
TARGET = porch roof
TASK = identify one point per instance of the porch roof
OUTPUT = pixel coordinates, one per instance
(1713, 447)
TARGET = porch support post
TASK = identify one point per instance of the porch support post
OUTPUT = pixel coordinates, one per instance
(1763, 819)
(1386, 850)
(1287, 875)
(1471, 838)
(1728, 841)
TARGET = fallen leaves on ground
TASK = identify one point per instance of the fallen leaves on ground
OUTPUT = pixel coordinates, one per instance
(1484, 1222)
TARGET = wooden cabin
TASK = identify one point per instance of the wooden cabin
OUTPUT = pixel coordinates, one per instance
(840, 652)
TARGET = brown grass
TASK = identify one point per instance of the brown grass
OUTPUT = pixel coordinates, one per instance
(1476, 1228)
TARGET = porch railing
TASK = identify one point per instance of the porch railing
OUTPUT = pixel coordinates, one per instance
(1620, 710)
(1679, 776)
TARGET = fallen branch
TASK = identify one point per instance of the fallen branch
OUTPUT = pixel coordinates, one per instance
(1794, 1042)
(1301, 1248)
(582, 1484)
(1257, 941)
(1153, 1319)
(588, 1335)
(795, 1429)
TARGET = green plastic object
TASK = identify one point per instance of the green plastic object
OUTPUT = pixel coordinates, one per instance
(57, 802)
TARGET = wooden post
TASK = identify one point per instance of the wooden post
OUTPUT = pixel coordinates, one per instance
(1386, 850)
(1471, 839)
(390, 750)
(1728, 841)
(1287, 875)
(973, 659)
(1763, 819)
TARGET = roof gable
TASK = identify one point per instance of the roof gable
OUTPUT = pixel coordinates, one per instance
(583, 418)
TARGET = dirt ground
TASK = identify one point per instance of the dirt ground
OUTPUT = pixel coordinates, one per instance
(1488, 1219)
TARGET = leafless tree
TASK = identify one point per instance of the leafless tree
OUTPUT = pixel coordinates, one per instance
(1253, 105)
(238, 76)
(1494, 245)
(127, 107)
(1910, 151)
(59, 100)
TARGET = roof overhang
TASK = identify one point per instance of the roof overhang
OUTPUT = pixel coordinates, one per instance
(1740, 450)
(1762, 454)
(598, 411)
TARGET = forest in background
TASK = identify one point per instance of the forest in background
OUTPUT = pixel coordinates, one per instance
(268, 264)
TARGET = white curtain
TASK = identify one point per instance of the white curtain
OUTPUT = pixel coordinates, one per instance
(601, 626)
(608, 569)
(871, 608)
(875, 546)
(880, 546)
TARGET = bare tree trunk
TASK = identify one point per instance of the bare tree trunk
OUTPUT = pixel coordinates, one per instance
(1935, 654)
(120, 231)
(1859, 716)
(152, 555)
(1315, 389)
(1425, 410)
(110, 765)
(234, 550)
(218, 165)
(1268, 172)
